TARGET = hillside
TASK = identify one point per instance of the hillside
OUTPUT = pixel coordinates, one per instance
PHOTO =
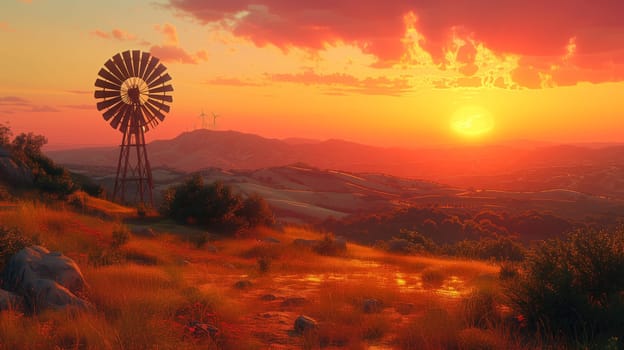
(594, 169)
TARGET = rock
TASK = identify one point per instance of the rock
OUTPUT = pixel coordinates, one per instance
(212, 249)
(294, 301)
(243, 284)
(405, 308)
(270, 240)
(10, 301)
(371, 306)
(268, 297)
(305, 324)
(12, 172)
(203, 329)
(44, 279)
(229, 266)
(144, 232)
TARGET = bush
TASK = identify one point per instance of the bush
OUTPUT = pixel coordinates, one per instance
(121, 236)
(11, 241)
(214, 205)
(574, 287)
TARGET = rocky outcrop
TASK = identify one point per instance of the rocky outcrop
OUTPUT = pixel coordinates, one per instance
(44, 279)
(12, 172)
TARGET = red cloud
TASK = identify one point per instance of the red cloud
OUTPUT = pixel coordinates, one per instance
(172, 53)
(114, 34)
(532, 28)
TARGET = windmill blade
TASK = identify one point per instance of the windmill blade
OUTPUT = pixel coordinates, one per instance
(161, 80)
(109, 76)
(106, 85)
(150, 67)
(165, 88)
(126, 120)
(144, 60)
(107, 103)
(155, 112)
(118, 117)
(115, 71)
(160, 69)
(106, 93)
(136, 56)
(109, 113)
(150, 117)
(161, 106)
(127, 58)
(164, 98)
(122, 67)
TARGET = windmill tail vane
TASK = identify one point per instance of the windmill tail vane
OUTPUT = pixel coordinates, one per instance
(133, 94)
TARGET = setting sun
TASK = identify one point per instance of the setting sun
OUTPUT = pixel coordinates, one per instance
(472, 121)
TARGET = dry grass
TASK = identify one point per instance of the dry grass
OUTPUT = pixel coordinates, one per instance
(163, 283)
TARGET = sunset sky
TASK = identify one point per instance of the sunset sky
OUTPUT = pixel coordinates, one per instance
(390, 73)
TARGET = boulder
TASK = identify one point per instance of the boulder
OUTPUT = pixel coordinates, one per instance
(243, 284)
(44, 279)
(268, 297)
(405, 308)
(305, 324)
(14, 173)
(371, 306)
(10, 301)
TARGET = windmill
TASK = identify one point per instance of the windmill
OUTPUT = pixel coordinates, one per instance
(132, 91)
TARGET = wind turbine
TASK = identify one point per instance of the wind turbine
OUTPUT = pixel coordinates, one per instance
(204, 125)
(214, 119)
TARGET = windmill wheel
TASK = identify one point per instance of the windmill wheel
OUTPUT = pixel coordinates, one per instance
(133, 91)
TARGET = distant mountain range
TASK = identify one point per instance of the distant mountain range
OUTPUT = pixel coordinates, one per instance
(596, 169)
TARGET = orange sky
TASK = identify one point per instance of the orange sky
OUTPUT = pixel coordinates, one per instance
(392, 73)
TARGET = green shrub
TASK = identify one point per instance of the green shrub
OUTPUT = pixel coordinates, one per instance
(574, 287)
(214, 205)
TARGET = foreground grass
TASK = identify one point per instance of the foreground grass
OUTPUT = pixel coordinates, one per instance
(149, 292)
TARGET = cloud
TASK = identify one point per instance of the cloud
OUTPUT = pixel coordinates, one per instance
(12, 101)
(4, 27)
(116, 33)
(335, 83)
(79, 92)
(346, 83)
(14, 104)
(225, 81)
(537, 31)
(170, 32)
(170, 50)
(80, 107)
(171, 53)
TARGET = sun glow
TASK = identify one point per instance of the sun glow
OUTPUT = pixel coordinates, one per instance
(472, 121)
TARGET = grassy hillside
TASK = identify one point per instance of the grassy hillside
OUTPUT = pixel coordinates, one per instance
(150, 290)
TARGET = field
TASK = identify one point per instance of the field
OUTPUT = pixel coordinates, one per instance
(183, 288)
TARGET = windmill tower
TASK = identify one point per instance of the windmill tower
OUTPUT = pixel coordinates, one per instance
(132, 91)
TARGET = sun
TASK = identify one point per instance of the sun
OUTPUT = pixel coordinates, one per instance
(472, 121)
